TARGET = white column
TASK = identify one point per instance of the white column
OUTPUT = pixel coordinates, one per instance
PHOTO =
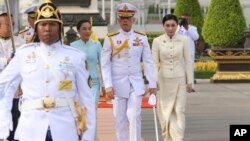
(169, 7)
(111, 12)
(163, 9)
(103, 9)
(139, 15)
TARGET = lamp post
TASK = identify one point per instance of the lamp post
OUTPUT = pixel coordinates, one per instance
(71, 35)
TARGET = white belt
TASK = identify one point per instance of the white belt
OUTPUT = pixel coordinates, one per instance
(42, 104)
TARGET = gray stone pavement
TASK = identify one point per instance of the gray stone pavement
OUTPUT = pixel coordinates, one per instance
(209, 112)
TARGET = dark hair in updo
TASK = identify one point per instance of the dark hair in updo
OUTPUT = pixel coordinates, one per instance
(79, 24)
(169, 17)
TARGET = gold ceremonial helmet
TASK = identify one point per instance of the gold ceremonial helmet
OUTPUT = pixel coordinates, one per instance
(47, 12)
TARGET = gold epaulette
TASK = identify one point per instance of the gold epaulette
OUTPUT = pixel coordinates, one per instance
(24, 30)
(140, 32)
(113, 33)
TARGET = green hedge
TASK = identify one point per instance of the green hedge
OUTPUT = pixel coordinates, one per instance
(224, 24)
(203, 74)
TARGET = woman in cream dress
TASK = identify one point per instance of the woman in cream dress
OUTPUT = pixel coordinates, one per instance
(172, 63)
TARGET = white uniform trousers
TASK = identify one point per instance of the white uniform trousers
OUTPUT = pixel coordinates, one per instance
(171, 108)
(128, 110)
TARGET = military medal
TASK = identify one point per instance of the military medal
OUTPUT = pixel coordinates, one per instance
(66, 69)
(137, 42)
(118, 42)
(31, 58)
(65, 85)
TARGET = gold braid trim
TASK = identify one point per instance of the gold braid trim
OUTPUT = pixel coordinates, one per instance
(120, 48)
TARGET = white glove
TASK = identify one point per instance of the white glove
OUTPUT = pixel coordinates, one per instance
(5, 128)
(152, 100)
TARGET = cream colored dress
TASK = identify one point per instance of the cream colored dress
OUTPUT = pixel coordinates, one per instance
(172, 63)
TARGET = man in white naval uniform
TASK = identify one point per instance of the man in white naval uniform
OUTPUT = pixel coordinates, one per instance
(191, 32)
(6, 52)
(122, 73)
(53, 76)
(27, 33)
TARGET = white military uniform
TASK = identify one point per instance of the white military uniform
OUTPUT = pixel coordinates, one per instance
(123, 72)
(38, 80)
(26, 34)
(193, 36)
(6, 51)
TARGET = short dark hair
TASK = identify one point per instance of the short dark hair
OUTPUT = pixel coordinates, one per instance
(169, 17)
(78, 26)
(5, 14)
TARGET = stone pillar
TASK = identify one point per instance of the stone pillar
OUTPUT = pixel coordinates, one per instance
(111, 12)
(103, 9)
(139, 13)
(164, 9)
(169, 7)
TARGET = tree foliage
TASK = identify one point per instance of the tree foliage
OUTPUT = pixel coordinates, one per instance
(193, 9)
(224, 24)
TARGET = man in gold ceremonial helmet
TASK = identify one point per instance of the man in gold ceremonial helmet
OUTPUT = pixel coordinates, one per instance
(53, 76)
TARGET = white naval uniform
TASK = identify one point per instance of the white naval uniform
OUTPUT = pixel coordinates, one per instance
(123, 72)
(27, 34)
(193, 36)
(6, 51)
(38, 80)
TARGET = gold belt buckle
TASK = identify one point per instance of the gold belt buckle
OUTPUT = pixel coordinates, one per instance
(48, 102)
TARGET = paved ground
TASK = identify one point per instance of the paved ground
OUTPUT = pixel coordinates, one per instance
(210, 111)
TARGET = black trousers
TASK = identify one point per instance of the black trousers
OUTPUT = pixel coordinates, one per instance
(48, 136)
(15, 116)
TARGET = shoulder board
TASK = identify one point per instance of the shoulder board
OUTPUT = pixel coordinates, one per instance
(140, 32)
(113, 33)
(71, 48)
(22, 31)
(27, 45)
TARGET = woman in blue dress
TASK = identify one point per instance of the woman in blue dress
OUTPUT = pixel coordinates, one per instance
(92, 49)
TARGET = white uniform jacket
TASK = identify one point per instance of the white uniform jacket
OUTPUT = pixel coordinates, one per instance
(124, 69)
(173, 57)
(38, 80)
(6, 50)
(192, 35)
(26, 34)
